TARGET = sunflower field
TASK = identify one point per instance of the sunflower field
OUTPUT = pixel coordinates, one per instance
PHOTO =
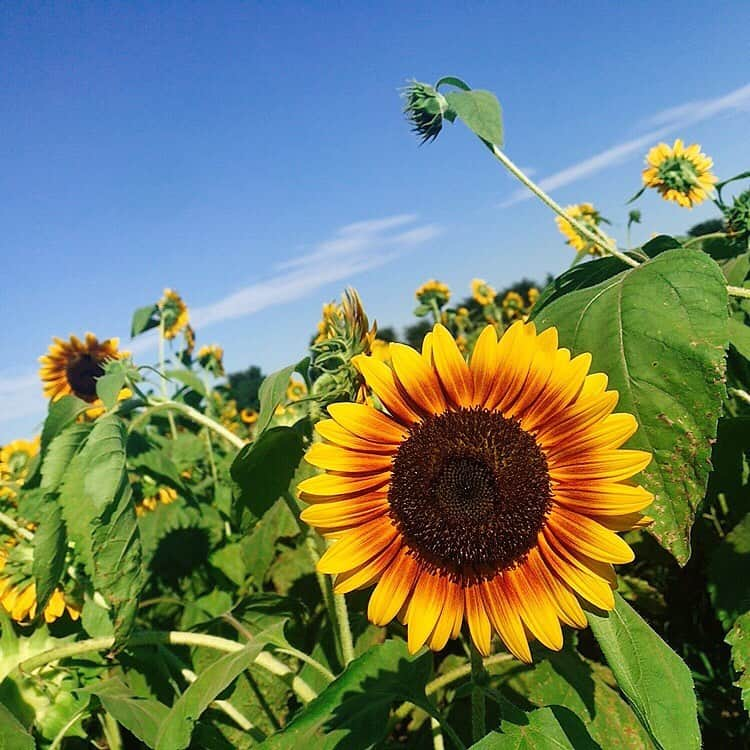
(524, 523)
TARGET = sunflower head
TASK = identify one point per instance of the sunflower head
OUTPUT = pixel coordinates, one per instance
(15, 461)
(174, 313)
(424, 108)
(73, 366)
(585, 214)
(487, 492)
(296, 389)
(249, 416)
(512, 305)
(482, 292)
(433, 290)
(738, 215)
(211, 359)
(679, 173)
(532, 295)
(153, 495)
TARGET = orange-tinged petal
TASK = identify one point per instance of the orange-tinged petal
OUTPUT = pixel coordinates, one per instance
(602, 497)
(503, 612)
(380, 378)
(476, 617)
(323, 486)
(609, 434)
(417, 379)
(367, 573)
(368, 423)
(625, 522)
(340, 514)
(515, 350)
(563, 600)
(333, 432)
(451, 367)
(357, 546)
(613, 465)
(393, 588)
(536, 608)
(581, 534)
(335, 458)
(424, 609)
(452, 609)
(484, 365)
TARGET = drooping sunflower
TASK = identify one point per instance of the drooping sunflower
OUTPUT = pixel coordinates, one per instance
(15, 460)
(72, 367)
(211, 358)
(680, 174)
(174, 313)
(488, 492)
(482, 292)
(433, 289)
(585, 214)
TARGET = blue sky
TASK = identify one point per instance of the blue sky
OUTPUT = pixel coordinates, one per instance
(254, 156)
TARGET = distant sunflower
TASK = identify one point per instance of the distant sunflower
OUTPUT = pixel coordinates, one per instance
(295, 390)
(482, 292)
(585, 214)
(680, 174)
(72, 367)
(249, 416)
(211, 358)
(174, 313)
(155, 495)
(15, 460)
(488, 492)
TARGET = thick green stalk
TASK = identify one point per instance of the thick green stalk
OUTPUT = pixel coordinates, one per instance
(163, 378)
(738, 291)
(15, 528)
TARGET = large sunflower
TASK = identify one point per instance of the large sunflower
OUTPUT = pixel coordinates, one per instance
(73, 366)
(680, 174)
(488, 492)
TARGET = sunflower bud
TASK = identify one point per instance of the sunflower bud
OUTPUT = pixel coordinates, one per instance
(738, 215)
(424, 109)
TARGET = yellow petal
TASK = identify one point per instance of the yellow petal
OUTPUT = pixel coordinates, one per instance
(357, 546)
(424, 609)
(451, 367)
(503, 611)
(336, 458)
(379, 377)
(368, 423)
(335, 433)
(580, 534)
(484, 365)
(476, 617)
(324, 486)
(393, 589)
(417, 379)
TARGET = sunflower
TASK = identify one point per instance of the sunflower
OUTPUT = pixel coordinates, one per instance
(513, 304)
(488, 492)
(585, 214)
(533, 296)
(680, 174)
(249, 416)
(433, 289)
(153, 496)
(295, 390)
(18, 598)
(211, 358)
(482, 292)
(98, 408)
(72, 367)
(174, 313)
(15, 459)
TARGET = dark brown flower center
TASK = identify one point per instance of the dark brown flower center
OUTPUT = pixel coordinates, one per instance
(470, 492)
(82, 371)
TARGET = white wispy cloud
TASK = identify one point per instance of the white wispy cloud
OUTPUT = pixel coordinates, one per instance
(350, 250)
(662, 123)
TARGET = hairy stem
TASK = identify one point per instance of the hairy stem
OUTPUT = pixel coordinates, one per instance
(15, 528)
(345, 629)
(738, 291)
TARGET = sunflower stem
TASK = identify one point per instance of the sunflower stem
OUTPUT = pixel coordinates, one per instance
(702, 237)
(15, 528)
(163, 378)
(437, 734)
(175, 638)
(595, 237)
(345, 628)
(479, 678)
(738, 291)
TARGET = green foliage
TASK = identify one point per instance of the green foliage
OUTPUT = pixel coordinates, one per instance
(12, 734)
(480, 111)
(730, 592)
(144, 318)
(273, 392)
(244, 387)
(739, 640)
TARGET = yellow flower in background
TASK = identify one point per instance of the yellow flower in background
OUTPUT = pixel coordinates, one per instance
(512, 304)
(679, 173)
(482, 292)
(462, 316)
(211, 358)
(18, 598)
(533, 296)
(189, 339)
(462, 344)
(72, 367)
(296, 390)
(154, 496)
(587, 215)
(433, 289)
(174, 313)
(249, 416)
(489, 492)
(330, 319)
(15, 460)
(98, 408)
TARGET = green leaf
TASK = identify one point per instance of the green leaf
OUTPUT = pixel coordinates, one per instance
(263, 469)
(144, 318)
(739, 337)
(730, 590)
(739, 640)
(480, 111)
(176, 730)
(352, 712)
(60, 454)
(273, 392)
(50, 547)
(140, 716)
(736, 269)
(653, 678)
(159, 466)
(228, 560)
(566, 679)
(100, 517)
(61, 413)
(549, 728)
(659, 332)
(12, 734)
(188, 378)
(108, 387)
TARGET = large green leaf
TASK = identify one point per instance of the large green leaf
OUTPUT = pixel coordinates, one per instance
(12, 734)
(728, 586)
(352, 712)
(566, 679)
(659, 331)
(273, 392)
(188, 378)
(549, 728)
(96, 504)
(60, 453)
(653, 678)
(480, 111)
(175, 731)
(739, 640)
(263, 469)
(50, 547)
(144, 318)
(739, 337)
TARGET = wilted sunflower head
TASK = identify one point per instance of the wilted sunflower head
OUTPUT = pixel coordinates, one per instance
(433, 290)
(585, 214)
(73, 367)
(679, 173)
(211, 358)
(482, 292)
(488, 492)
(424, 108)
(174, 313)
